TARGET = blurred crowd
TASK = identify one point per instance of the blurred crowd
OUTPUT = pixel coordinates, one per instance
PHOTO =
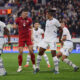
(67, 11)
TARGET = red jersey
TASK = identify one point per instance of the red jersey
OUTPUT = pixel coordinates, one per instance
(24, 28)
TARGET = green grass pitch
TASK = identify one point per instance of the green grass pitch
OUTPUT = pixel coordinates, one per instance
(66, 72)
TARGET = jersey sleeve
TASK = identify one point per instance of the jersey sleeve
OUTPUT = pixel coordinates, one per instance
(17, 21)
(58, 24)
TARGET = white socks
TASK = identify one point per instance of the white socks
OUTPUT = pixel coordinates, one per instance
(38, 60)
(28, 59)
(67, 61)
(46, 58)
(56, 62)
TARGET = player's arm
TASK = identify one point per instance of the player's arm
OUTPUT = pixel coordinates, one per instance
(60, 33)
(64, 38)
(42, 32)
(31, 27)
(7, 33)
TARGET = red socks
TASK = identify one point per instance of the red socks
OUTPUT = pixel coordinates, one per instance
(33, 58)
(20, 60)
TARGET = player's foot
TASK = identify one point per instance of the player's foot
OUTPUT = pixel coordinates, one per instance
(36, 70)
(26, 65)
(76, 69)
(56, 72)
(49, 66)
(5, 74)
(19, 69)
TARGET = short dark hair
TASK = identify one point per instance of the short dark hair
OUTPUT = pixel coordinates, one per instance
(36, 22)
(52, 11)
(25, 10)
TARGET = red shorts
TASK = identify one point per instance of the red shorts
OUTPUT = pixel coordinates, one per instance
(22, 43)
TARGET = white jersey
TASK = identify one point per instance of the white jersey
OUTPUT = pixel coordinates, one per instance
(37, 35)
(2, 25)
(51, 29)
(66, 33)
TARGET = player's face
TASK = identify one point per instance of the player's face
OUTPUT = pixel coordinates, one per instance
(24, 14)
(36, 25)
(48, 15)
(62, 25)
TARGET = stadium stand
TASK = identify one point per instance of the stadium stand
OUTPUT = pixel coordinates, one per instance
(68, 11)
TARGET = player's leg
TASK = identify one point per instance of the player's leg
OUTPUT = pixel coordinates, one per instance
(43, 46)
(27, 60)
(46, 59)
(2, 69)
(56, 61)
(39, 56)
(53, 48)
(29, 56)
(67, 61)
(20, 58)
(59, 54)
(30, 47)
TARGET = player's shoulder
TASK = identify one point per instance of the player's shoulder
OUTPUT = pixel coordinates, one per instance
(41, 30)
(18, 18)
(65, 29)
(30, 19)
(2, 23)
(54, 19)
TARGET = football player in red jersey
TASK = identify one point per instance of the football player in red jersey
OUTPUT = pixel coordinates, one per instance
(25, 37)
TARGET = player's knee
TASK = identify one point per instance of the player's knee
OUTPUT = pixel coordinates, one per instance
(20, 50)
(53, 52)
(41, 51)
(62, 59)
(31, 51)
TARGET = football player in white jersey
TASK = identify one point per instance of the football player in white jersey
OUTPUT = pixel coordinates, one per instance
(67, 46)
(50, 38)
(2, 30)
(38, 35)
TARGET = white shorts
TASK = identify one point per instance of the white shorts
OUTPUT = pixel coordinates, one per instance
(35, 46)
(44, 44)
(67, 48)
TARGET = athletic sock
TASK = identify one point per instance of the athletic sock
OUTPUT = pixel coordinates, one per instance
(67, 61)
(56, 62)
(46, 58)
(38, 61)
(20, 60)
(28, 59)
(33, 58)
